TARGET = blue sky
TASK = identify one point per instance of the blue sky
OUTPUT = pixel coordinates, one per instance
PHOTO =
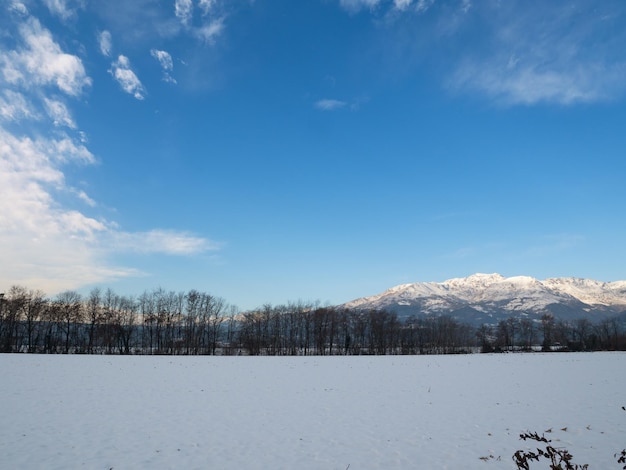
(273, 151)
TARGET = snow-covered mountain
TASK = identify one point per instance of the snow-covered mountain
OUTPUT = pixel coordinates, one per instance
(487, 298)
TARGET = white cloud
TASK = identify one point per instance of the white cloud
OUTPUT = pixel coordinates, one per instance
(64, 9)
(164, 58)
(50, 247)
(37, 234)
(47, 242)
(183, 10)
(210, 31)
(330, 104)
(167, 64)
(127, 79)
(42, 62)
(58, 112)
(105, 42)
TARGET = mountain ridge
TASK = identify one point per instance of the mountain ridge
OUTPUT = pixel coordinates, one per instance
(495, 297)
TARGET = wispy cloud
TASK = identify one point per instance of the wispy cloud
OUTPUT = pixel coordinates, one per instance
(423, 5)
(330, 104)
(166, 62)
(207, 6)
(83, 196)
(164, 58)
(121, 69)
(14, 106)
(519, 54)
(532, 83)
(461, 253)
(64, 9)
(210, 25)
(130, 83)
(553, 53)
(210, 31)
(553, 244)
(183, 9)
(150, 22)
(18, 7)
(402, 4)
(105, 42)
(169, 242)
(356, 5)
(59, 113)
(387, 7)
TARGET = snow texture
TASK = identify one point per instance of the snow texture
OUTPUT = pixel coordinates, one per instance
(393, 412)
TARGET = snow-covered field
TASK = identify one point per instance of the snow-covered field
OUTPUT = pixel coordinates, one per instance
(394, 412)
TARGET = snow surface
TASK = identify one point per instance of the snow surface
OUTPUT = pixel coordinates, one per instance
(393, 412)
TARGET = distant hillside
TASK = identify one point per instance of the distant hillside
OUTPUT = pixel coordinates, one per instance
(489, 298)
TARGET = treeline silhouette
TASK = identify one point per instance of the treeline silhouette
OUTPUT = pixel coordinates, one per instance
(194, 322)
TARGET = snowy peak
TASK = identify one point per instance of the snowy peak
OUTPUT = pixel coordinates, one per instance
(475, 280)
(590, 291)
(495, 294)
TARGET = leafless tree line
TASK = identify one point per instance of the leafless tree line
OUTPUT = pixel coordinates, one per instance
(302, 329)
(157, 322)
(523, 334)
(167, 322)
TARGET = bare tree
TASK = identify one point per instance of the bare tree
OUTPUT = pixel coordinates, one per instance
(149, 320)
(125, 319)
(70, 315)
(485, 338)
(14, 306)
(231, 328)
(526, 333)
(33, 316)
(93, 311)
(547, 328)
(582, 332)
(213, 308)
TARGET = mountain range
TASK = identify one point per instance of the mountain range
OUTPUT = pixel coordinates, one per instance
(489, 298)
